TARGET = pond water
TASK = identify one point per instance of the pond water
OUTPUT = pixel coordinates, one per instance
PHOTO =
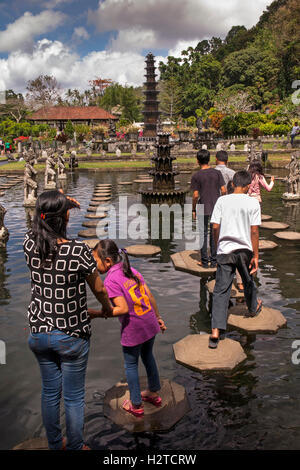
(254, 407)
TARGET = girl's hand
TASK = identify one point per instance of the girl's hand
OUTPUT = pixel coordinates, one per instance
(162, 325)
(70, 198)
(272, 178)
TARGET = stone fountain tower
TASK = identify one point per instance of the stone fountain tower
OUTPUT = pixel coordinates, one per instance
(151, 102)
(163, 188)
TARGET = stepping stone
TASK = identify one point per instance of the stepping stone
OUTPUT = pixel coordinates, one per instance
(98, 200)
(186, 261)
(2, 194)
(234, 294)
(101, 215)
(94, 223)
(98, 208)
(91, 243)
(39, 443)
(265, 217)
(194, 353)
(125, 182)
(274, 225)
(92, 233)
(292, 236)
(101, 194)
(143, 250)
(266, 245)
(143, 181)
(268, 320)
(103, 186)
(174, 406)
(185, 172)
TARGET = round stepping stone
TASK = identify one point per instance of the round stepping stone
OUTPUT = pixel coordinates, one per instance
(92, 233)
(125, 182)
(234, 294)
(267, 245)
(101, 193)
(143, 250)
(194, 353)
(102, 215)
(94, 223)
(98, 208)
(187, 260)
(91, 243)
(292, 236)
(268, 320)
(98, 200)
(185, 172)
(174, 406)
(265, 217)
(103, 186)
(274, 225)
(39, 443)
(143, 181)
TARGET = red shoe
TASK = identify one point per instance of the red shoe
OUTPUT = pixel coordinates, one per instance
(138, 412)
(156, 401)
(85, 447)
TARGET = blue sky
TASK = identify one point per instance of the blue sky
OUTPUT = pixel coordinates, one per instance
(77, 40)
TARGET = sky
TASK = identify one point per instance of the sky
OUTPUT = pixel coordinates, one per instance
(80, 40)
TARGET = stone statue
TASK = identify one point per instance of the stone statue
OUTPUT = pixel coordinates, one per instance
(73, 163)
(199, 124)
(232, 148)
(293, 179)
(220, 146)
(30, 184)
(50, 172)
(118, 152)
(61, 169)
(255, 151)
(246, 147)
(4, 235)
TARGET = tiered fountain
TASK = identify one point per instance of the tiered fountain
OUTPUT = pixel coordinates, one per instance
(163, 188)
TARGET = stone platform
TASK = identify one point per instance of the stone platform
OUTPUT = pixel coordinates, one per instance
(142, 250)
(234, 294)
(174, 406)
(94, 223)
(95, 201)
(291, 236)
(92, 242)
(194, 353)
(98, 208)
(268, 320)
(266, 245)
(274, 225)
(39, 443)
(102, 215)
(186, 261)
(91, 233)
(265, 217)
(124, 183)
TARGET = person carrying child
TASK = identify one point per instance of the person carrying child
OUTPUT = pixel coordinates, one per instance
(140, 321)
(236, 219)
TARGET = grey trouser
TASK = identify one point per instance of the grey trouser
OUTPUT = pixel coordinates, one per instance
(227, 264)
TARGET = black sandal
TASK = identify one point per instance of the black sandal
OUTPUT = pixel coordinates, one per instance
(213, 342)
(254, 314)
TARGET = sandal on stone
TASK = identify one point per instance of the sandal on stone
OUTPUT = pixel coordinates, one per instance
(239, 288)
(138, 412)
(156, 401)
(213, 342)
(258, 310)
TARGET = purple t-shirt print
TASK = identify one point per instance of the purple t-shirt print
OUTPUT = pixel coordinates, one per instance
(140, 323)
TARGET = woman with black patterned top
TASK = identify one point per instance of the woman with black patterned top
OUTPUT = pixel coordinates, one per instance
(59, 322)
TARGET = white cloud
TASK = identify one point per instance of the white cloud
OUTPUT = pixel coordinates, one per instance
(80, 33)
(20, 34)
(55, 3)
(161, 23)
(71, 71)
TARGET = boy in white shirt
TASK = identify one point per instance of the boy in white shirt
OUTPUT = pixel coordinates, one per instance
(236, 219)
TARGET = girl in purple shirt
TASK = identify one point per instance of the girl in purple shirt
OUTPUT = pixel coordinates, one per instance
(139, 318)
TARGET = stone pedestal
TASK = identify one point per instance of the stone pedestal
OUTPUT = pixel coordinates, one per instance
(142, 250)
(174, 406)
(187, 260)
(194, 353)
(234, 294)
(291, 236)
(268, 320)
(274, 225)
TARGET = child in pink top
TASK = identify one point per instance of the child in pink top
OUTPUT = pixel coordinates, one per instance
(258, 179)
(139, 318)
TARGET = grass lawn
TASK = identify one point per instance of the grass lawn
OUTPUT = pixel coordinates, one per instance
(141, 164)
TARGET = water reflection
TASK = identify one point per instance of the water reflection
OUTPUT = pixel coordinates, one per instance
(4, 276)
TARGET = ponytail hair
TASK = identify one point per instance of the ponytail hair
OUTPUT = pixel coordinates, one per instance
(108, 249)
(50, 222)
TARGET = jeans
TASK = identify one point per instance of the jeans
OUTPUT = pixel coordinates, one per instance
(227, 264)
(131, 357)
(213, 253)
(63, 361)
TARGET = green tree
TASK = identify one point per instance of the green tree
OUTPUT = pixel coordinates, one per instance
(170, 98)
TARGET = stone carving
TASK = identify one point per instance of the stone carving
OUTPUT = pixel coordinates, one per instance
(50, 172)
(30, 184)
(220, 146)
(118, 152)
(61, 170)
(246, 147)
(232, 147)
(255, 151)
(293, 179)
(4, 235)
(73, 162)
